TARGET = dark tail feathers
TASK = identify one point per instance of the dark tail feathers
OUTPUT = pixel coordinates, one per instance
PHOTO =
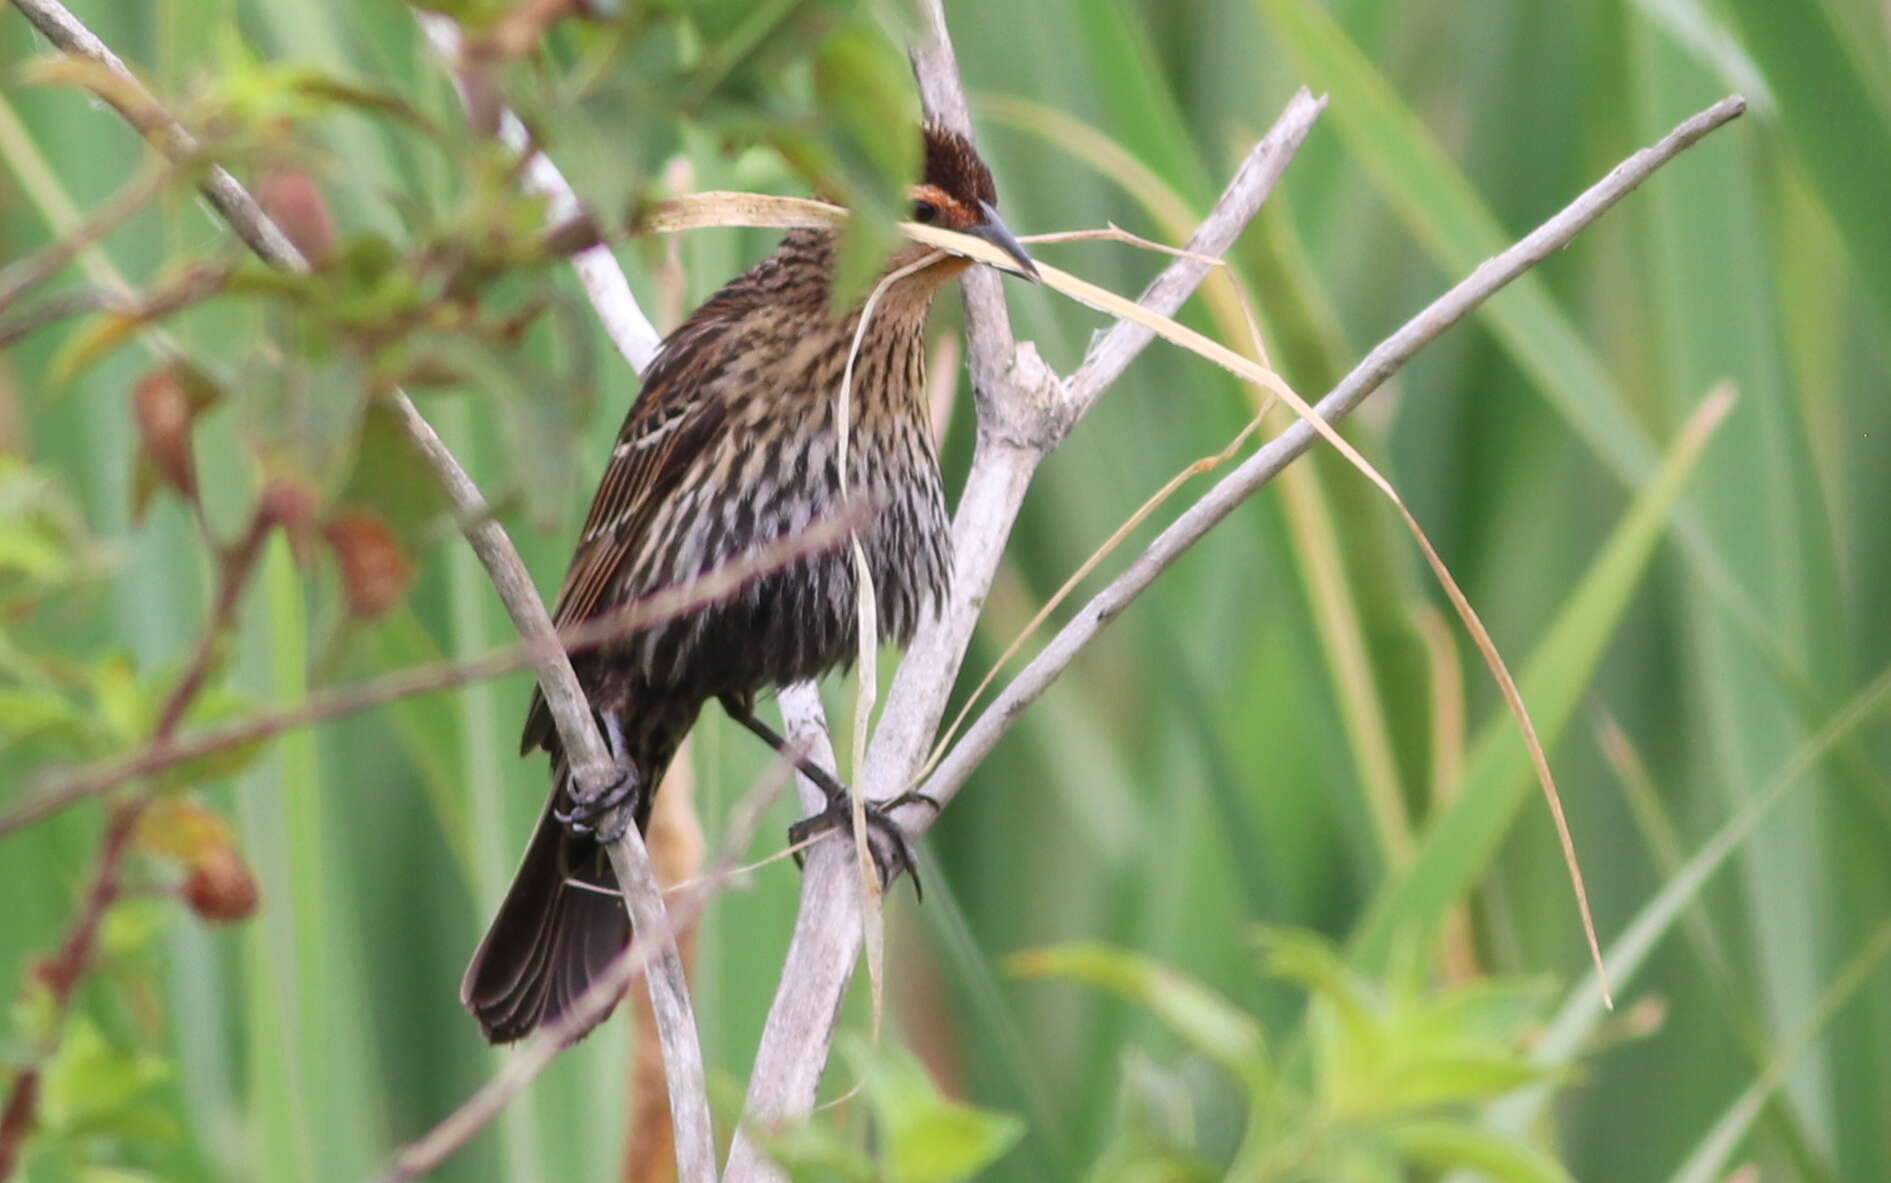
(551, 938)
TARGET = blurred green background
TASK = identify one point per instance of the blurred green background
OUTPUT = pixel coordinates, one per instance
(1289, 729)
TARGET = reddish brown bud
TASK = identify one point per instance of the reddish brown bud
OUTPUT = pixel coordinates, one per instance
(375, 569)
(218, 885)
(163, 408)
(288, 503)
(220, 888)
(295, 202)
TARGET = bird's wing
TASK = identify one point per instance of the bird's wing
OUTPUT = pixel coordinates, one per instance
(667, 429)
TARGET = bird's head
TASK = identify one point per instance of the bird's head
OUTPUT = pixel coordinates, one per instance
(955, 192)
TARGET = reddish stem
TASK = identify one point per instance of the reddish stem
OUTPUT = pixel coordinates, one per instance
(65, 969)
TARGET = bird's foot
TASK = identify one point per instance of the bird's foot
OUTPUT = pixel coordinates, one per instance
(891, 849)
(594, 812)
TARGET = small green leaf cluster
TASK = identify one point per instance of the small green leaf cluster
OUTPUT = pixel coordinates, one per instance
(919, 1135)
(1383, 1080)
(1386, 1079)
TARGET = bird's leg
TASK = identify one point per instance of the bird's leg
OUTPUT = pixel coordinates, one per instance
(839, 814)
(588, 808)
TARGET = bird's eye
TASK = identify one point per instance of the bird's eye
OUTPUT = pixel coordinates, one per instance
(924, 211)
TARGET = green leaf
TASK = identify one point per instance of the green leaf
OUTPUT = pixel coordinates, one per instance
(1205, 1020)
(29, 711)
(111, 1174)
(328, 88)
(930, 1138)
(1153, 1127)
(382, 477)
(35, 1013)
(92, 1087)
(132, 927)
(125, 706)
(812, 1151)
(1310, 961)
(1398, 1049)
(45, 545)
(1435, 1081)
(1448, 1145)
(29, 554)
(864, 91)
(373, 282)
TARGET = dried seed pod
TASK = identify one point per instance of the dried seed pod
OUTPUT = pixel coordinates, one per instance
(375, 569)
(162, 407)
(220, 887)
(292, 198)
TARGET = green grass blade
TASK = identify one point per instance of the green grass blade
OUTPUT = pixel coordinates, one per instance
(1833, 123)
(1708, 1161)
(1578, 1017)
(1732, 991)
(1438, 204)
(428, 729)
(484, 743)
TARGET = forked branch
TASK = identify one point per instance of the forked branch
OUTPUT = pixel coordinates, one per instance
(796, 1041)
(1024, 410)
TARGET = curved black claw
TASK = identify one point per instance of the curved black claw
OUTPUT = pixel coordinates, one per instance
(911, 797)
(586, 812)
(892, 850)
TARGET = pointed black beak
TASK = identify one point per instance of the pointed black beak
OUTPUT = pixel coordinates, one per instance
(994, 231)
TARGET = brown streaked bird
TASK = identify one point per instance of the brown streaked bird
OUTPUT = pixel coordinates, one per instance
(733, 446)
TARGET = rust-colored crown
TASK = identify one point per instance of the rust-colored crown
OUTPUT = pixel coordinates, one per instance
(953, 166)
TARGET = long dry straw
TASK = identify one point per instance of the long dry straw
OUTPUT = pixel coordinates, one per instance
(867, 680)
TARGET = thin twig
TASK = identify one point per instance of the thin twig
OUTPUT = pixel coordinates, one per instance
(22, 275)
(63, 972)
(197, 282)
(61, 790)
(1240, 201)
(67, 304)
(1111, 232)
(584, 747)
(636, 339)
(130, 99)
